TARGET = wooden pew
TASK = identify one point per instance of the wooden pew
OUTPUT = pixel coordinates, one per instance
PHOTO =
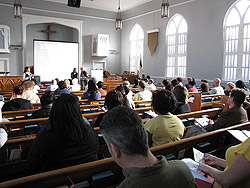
(20, 124)
(79, 173)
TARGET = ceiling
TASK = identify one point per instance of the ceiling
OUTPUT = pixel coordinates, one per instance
(109, 5)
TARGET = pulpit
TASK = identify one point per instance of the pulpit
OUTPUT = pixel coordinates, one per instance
(9, 82)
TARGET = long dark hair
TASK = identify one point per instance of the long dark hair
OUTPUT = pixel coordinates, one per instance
(66, 118)
(92, 89)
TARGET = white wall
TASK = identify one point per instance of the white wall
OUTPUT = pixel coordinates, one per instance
(205, 38)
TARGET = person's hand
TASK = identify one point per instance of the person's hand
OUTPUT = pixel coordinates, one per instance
(210, 159)
(210, 122)
(204, 168)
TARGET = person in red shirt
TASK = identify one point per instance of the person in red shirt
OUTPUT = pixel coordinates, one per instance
(192, 88)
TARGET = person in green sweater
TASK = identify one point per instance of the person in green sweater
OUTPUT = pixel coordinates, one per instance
(127, 141)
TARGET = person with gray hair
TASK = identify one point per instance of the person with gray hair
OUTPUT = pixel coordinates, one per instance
(217, 88)
(127, 141)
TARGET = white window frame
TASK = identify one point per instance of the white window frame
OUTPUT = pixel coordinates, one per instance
(236, 63)
(178, 67)
(137, 54)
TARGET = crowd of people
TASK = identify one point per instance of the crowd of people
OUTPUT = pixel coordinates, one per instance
(67, 138)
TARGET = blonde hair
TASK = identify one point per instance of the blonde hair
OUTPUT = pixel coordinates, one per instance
(28, 84)
(231, 85)
(66, 81)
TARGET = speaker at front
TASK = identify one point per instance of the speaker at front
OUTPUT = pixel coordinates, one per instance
(74, 3)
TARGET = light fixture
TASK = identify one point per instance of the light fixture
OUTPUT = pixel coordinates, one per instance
(118, 21)
(165, 9)
(17, 9)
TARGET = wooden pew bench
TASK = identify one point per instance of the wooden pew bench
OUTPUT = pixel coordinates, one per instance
(79, 173)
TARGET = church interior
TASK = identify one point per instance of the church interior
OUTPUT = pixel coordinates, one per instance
(117, 41)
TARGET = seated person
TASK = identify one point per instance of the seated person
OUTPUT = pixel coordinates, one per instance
(28, 92)
(47, 100)
(229, 87)
(174, 83)
(67, 82)
(113, 99)
(166, 85)
(151, 85)
(17, 102)
(143, 94)
(75, 86)
(126, 139)
(217, 88)
(179, 79)
(36, 86)
(136, 83)
(205, 89)
(166, 127)
(236, 165)
(191, 87)
(100, 85)
(53, 86)
(187, 84)
(62, 89)
(240, 84)
(66, 139)
(3, 135)
(233, 116)
(92, 92)
(128, 93)
(181, 95)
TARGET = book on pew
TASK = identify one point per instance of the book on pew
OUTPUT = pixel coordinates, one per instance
(241, 135)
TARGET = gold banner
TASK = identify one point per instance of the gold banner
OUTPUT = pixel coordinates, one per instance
(152, 41)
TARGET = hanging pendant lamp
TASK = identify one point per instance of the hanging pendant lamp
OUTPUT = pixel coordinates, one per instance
(118, 21)
(17, 9)
(165, 9)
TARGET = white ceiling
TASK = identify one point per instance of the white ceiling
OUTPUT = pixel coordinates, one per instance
(109, 5)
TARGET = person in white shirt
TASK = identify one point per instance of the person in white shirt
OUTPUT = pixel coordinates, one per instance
(75, 86)
(28, 92)
(151, 85)
(3, 136)
(53, 86)
(143, 95)
(217, 88)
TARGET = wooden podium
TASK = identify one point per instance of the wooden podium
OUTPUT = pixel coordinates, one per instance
(8, 82)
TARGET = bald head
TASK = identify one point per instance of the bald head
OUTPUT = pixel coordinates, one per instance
(216, 82)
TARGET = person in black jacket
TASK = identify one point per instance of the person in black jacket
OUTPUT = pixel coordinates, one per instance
(66, 139)
(47, 100)
(17, 102)
(181, 95)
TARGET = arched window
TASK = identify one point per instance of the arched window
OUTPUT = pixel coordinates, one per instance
(237, 42)
(176, 35)
(136, 47)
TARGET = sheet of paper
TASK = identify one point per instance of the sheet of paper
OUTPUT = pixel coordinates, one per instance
(238, 134)
(193, 167)
(197, 155)
(247, 133)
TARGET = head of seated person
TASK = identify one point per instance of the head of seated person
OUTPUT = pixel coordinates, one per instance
(113, 99)
(127, 141)
(92, 92)
(47, 98)
(163, 102)
(67, 82)
(240, 84)
(28, 85)
(237, 97)
(17, 92)
(181, 94)
(191, 84)
(204, 87)
(174, 82)
(142, 85)
(166, 84)
(100, 84)
(61, 85)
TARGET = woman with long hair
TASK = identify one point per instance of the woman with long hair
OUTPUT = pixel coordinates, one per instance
(92, 92)
(66, 139)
